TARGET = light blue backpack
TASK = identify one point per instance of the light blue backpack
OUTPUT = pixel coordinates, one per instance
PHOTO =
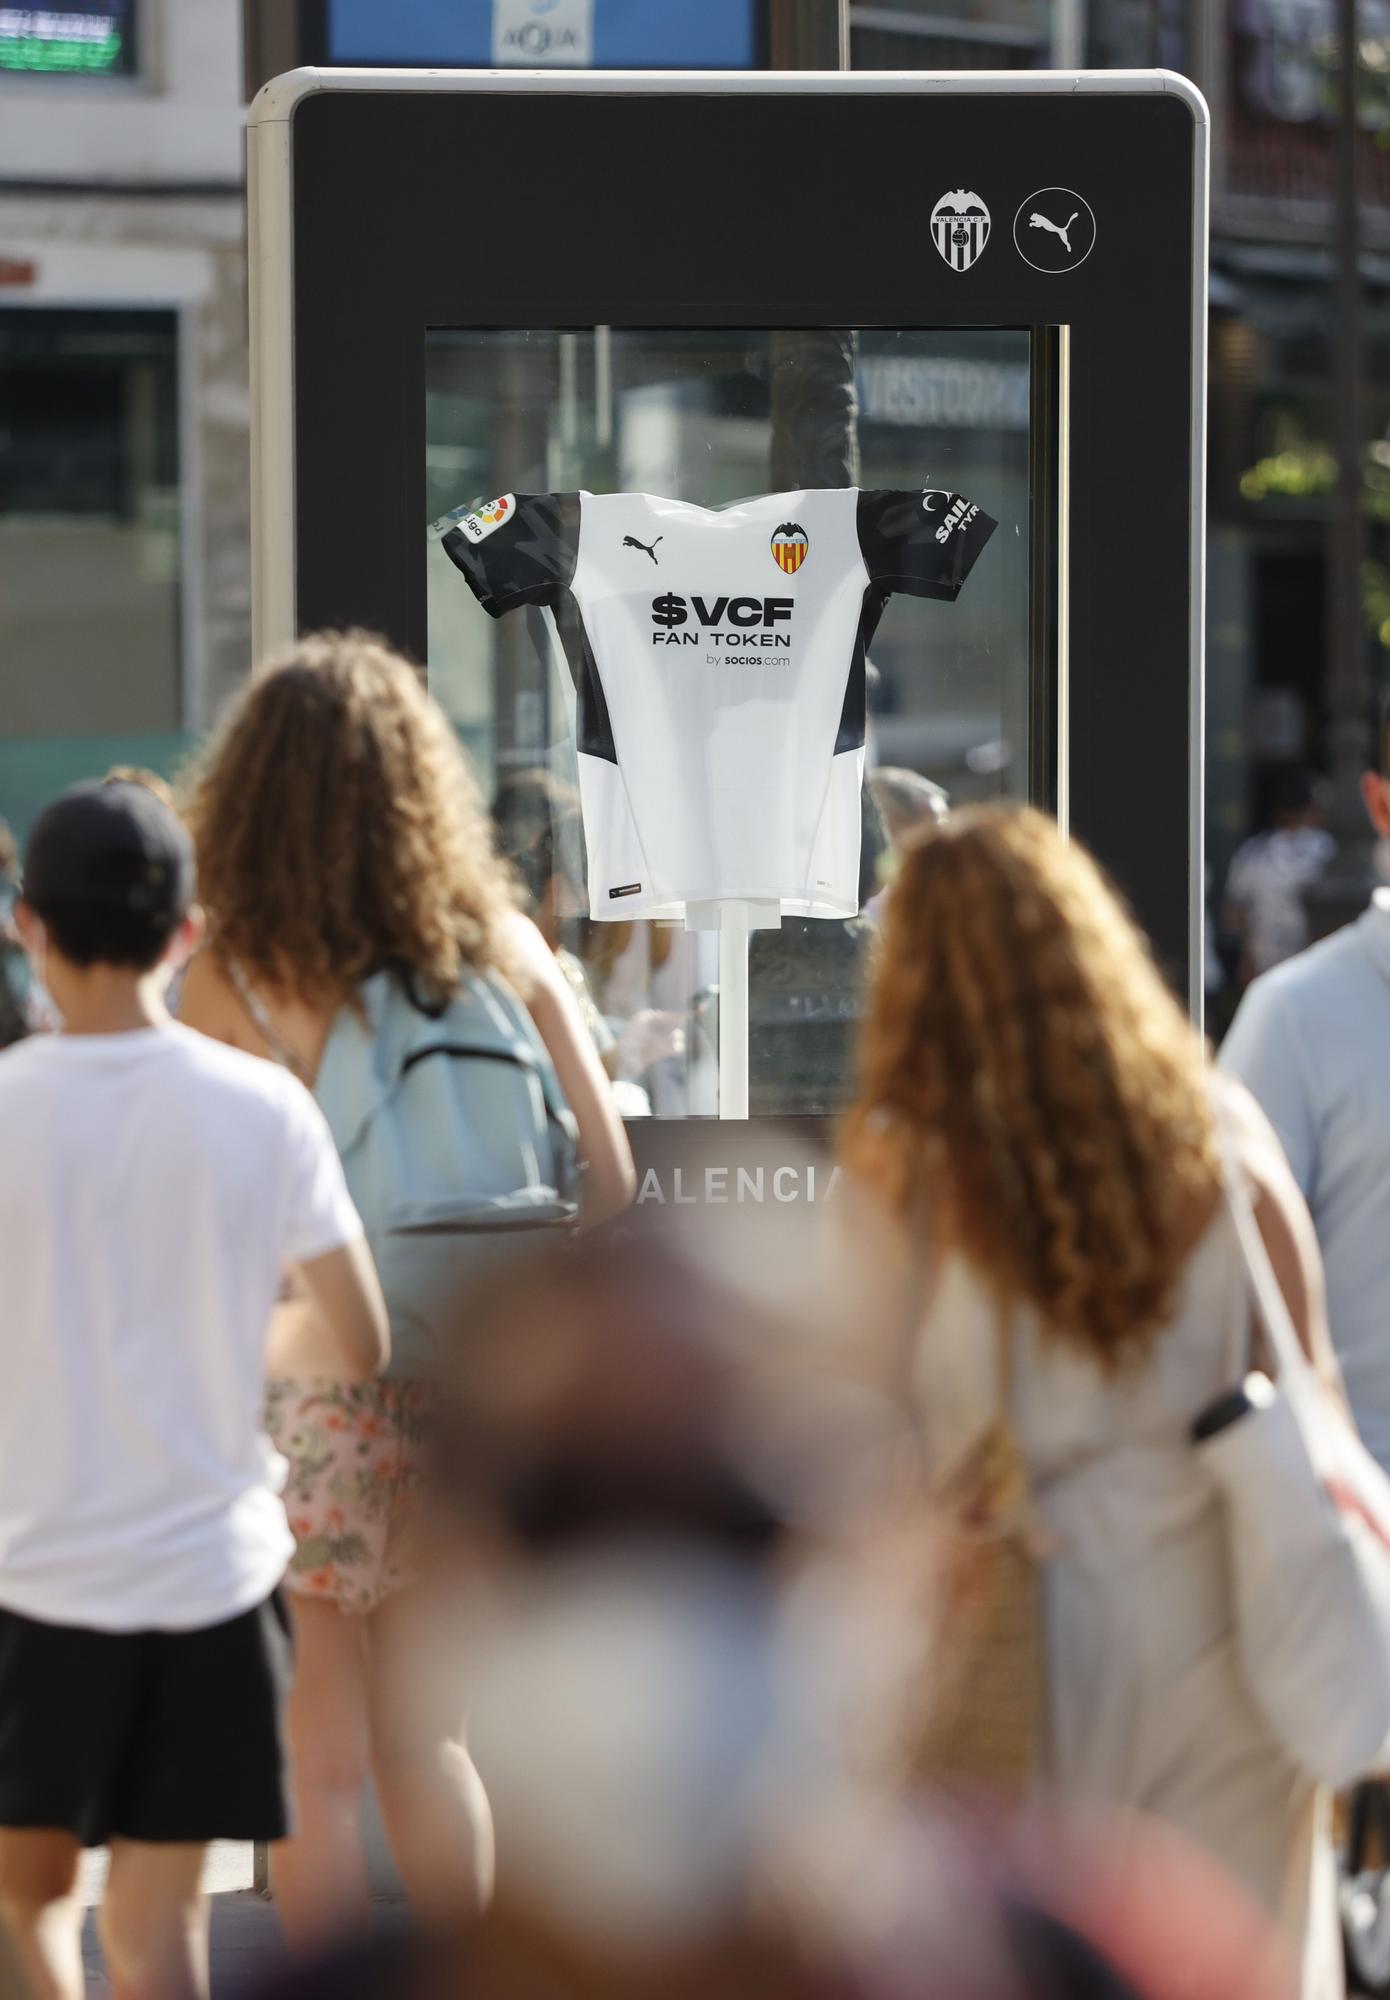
(456, 1141)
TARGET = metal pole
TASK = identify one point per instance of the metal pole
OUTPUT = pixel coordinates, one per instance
(1068, 49)
(1348, 689)
(1195, 21)
(1343, 892)
(808, 34)
(814, 442)
(269, 42)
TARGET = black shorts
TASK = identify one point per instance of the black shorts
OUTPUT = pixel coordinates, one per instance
(158, 1736)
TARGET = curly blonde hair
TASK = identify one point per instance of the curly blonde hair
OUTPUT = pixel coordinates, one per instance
(339, 831)
(1029, 1083)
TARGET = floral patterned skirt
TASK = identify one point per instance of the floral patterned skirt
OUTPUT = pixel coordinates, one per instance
(358, 1456)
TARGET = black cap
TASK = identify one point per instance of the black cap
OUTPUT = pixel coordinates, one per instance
(112, 843)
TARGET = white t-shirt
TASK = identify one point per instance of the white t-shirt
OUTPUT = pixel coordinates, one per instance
(153, 1188)
(1267, 878)
(719, 663)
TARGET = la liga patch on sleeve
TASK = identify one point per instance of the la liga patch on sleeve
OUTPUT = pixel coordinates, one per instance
(488, 516)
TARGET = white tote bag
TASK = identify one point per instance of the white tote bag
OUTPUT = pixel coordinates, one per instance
(1309, 1521)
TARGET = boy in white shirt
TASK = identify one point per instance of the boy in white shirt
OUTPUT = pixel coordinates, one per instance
(154, 1188)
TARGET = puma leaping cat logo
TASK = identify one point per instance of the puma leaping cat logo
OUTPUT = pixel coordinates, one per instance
(647, 548)
(1036, 221)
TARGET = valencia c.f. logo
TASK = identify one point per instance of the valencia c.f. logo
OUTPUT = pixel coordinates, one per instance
(790, 546)
(960, 228)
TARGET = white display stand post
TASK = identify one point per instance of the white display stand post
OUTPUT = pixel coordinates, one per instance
(733, 1010)
(735, 922)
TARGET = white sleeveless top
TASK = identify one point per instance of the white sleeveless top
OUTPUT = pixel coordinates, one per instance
(1147, 1705)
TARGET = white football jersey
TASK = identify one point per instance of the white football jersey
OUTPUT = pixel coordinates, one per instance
(718, 658)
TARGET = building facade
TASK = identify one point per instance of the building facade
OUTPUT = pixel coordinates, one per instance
(124, 582)
(124, 410)
(1267, 70)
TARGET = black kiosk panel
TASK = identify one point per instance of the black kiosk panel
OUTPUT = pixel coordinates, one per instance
(471, 288)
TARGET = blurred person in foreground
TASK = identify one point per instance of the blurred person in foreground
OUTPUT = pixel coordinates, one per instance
(655, 1522)
(1269, 873)
(1035, 1109)
(1311, 1042)
(154, 1189)
(359, 922)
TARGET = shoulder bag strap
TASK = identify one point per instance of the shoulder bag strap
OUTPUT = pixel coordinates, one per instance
(1295, 1371)
(280, 1050)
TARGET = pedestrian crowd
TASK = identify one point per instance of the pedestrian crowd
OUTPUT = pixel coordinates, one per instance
(975, 1587)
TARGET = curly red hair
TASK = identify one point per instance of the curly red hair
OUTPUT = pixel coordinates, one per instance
(1029, 1083)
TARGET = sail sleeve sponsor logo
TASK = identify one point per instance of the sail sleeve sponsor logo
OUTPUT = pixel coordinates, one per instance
(962, 513)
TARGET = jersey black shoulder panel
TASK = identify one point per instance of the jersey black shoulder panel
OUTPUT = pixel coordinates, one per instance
(923, 541)
(520, 548)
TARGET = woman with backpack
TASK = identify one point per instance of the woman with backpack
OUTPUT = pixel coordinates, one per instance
(362, 931)
(1036, 1110)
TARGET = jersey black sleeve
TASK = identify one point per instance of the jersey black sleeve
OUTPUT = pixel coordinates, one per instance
(518, 549)
(924, 542)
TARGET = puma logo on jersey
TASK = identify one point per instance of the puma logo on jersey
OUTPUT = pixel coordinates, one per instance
(1036, 221)
(647, 548)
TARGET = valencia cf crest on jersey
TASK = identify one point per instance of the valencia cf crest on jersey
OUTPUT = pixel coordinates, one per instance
(960, 228)
(790, 546)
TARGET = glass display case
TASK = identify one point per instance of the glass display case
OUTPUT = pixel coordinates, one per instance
(821, 472)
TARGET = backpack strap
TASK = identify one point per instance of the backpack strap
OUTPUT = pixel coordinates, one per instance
(557, 1111)
(504, 995)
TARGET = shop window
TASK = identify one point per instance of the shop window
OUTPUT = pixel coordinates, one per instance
(925, 34)
(1138, 34)
(89, 544)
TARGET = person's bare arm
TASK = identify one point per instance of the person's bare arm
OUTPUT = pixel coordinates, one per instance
(611, 1180)
(341, 1329)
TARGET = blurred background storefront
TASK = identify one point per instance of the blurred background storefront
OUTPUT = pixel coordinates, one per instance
(124, 584)
(124, 593)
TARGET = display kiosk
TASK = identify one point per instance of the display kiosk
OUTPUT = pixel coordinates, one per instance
(560, 380)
